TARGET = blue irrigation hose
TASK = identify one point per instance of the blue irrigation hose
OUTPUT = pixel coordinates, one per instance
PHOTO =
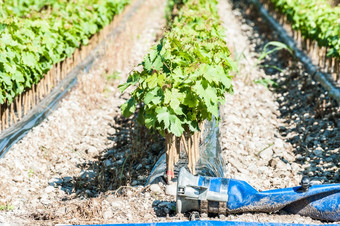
(206, 223)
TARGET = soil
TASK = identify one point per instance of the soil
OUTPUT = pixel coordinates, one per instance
(87, 164)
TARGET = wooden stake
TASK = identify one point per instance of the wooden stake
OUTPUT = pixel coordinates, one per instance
(178, 148)
(29, 100)
(6, 116)
(13, 113)
(24, 102)
(337, 70)
(169, 156)
(3, 108)
(19, 109)
(16, 109)
(1, 118)
(2, 127)
(33, 95)
(184, 142)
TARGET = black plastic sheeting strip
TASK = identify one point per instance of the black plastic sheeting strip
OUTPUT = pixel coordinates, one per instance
(324, 79)
(210, 162)
(16, 132)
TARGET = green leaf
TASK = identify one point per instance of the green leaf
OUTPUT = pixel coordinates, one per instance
(199, 89)
(157, 63)
(278, 46)
(223, 77)
(152, 80)
(266, 82)
(190, 100)
(153, 61)
(211, 94)
(193, 126)
(18, 77)
(205, 71)
(29, 59)
(212, 108)
(150, 120)
(147, 63)
(163, 116)
(154, 96)
(160, 79)
(129, 107)
(153, 54)
(174, 98)
(176, 126)
(6, 39)
(5, 78)
(10, 68)
(177, 73)
(175, 105)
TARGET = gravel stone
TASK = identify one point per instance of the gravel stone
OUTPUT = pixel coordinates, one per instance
(267, 154)
(318, 152)
(67, 179)
(108, 214)
(120, 162)
(139, 166)
(156, 188)
(49, 189)
(171, 189)
(108, 163)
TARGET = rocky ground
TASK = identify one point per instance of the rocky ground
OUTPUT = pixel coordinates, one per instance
(88, 164)
(291, 127)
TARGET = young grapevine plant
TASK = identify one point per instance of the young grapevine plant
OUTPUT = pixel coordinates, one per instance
(35, 35)
(185, 77)
(316, 20)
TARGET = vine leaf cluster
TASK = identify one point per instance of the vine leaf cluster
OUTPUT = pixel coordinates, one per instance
(183, 80)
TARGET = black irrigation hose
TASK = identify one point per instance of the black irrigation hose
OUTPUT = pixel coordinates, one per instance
(16, 132)
(324, 79)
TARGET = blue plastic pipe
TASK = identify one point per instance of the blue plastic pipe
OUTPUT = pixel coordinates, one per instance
(318, 202)
(223, 196)
(206, 223)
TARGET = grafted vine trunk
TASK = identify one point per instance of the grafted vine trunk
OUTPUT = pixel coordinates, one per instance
(334, 2)
(171, 155)
(190, 142)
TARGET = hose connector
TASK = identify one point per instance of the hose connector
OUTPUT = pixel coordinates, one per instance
(305, 184)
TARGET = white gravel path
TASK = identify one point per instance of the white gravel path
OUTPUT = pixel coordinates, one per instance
(252, 145)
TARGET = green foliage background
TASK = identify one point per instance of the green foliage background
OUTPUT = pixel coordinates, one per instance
(316, 20)
(36, 34)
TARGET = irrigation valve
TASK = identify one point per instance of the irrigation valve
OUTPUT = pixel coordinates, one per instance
(216, 195)
(305, 184)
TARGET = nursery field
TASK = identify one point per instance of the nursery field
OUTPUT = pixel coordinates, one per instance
(146, 76)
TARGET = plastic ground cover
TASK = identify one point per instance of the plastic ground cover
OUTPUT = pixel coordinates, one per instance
(210, 162)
